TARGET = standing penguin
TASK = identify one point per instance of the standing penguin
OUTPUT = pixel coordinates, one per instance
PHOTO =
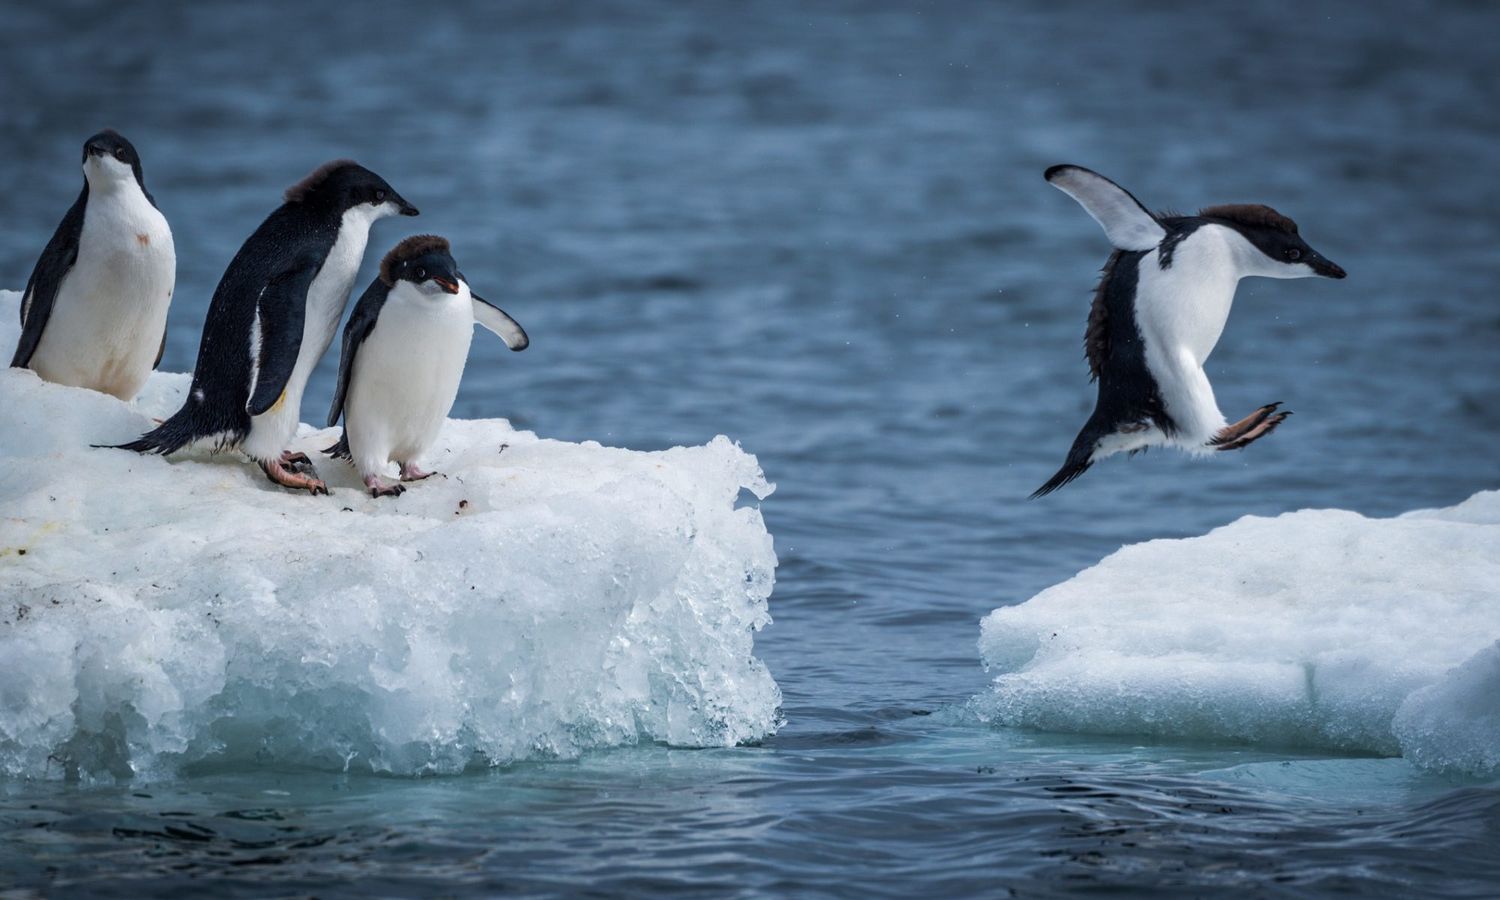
(404, 352)
(1158, 312)
(94, 314)
(273, 315)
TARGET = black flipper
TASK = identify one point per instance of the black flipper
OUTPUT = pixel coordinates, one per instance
(55, 263)
(281, 312)
(497, 320)
(361, 323)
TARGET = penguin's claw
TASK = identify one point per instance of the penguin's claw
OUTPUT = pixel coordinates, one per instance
(1238, 433)
(379, 488)
(1262, 428)
(279, 474)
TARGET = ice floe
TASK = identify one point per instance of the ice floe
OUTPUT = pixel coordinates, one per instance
(536, 602)
(1319, 628)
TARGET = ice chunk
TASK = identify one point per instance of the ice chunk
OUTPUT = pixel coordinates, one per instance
(535, 602)
(1313, 628)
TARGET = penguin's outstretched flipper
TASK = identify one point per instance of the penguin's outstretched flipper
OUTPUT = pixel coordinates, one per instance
(1127, 224)
(495, 319)
(279, 316)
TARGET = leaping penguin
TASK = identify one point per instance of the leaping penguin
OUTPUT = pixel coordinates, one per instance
(94, 313)
(1158, 312)
(272, 317)
(404, 352)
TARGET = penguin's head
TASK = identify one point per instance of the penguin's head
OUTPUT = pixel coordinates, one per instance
(1276, 250)
(108, 158)
(343, 185)
(423, 260)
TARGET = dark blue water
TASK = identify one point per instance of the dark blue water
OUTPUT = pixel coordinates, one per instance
(822, 230)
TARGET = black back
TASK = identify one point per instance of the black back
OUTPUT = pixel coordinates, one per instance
(1117, 357)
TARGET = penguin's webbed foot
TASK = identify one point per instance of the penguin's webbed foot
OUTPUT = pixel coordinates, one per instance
(298, 462)
(379, 488)
(1249, 429)
(410, 472)
(280, 474)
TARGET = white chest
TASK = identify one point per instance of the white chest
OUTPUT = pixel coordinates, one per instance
(407, 372)
(1187, 305)
(110, 311)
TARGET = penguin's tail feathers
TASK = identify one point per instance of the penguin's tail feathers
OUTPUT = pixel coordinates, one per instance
(185, 426)
(1080, 458)
(341, 449)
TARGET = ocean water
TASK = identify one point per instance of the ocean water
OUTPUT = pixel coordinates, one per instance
(822, 231)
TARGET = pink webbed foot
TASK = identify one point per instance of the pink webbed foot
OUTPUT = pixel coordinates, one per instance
(1249, 429)
(280, 474)
(410, 472)
(298, 462)
(379, 488)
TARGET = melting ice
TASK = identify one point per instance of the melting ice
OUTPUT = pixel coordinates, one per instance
(536, 602)
(1318, 628)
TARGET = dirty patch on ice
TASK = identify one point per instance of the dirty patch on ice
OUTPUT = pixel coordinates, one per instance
(1320, 628)
(537, 602)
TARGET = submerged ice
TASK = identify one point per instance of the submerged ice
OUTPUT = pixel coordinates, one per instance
(1318, 628)
(542, 599)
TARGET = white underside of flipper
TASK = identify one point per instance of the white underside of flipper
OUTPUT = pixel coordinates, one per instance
(406, 375)
(110, 312)
(1126, 223)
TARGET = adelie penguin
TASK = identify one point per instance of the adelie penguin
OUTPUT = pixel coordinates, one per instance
(404, 352)
(1158, 312)
(273, 315)
(94, 313)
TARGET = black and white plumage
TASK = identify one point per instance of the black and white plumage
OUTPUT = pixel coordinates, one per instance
(1158, 312)
(94, 313)
(404, 352)
(273, 316)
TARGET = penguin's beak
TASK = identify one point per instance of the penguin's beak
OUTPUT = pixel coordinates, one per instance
(407, 209)
(448, 285)
(1326, 267)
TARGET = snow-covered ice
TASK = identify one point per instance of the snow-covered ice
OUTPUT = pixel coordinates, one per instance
(158, 615)
(1319, 628)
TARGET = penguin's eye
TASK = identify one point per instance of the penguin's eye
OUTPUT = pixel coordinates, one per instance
(120, 154)
(421, 274)
(380, 196)
(1294, 254)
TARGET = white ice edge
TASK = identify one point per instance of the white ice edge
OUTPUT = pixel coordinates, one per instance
(1319, 628)
(534, 603)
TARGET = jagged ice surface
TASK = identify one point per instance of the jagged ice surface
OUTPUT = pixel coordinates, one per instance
(537, 602)
(1318, 628)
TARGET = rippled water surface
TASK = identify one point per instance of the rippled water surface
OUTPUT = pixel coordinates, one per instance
(821, 229)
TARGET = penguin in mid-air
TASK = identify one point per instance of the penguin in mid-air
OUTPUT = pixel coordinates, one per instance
(273, 315)
(1158, 312)
(94, 313)
(404, 352)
